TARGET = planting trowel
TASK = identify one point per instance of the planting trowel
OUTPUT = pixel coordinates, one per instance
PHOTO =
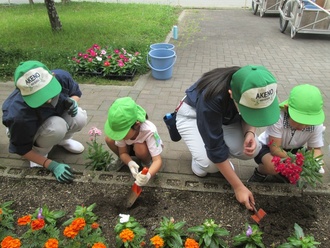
(258, 214)
(135, 191)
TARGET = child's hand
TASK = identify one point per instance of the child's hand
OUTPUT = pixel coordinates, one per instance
(141, 179)
(134, 168)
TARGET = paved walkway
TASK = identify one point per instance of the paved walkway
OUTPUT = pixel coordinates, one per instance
(207, 39)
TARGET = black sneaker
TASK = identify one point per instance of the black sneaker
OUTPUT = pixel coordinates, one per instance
(257, 177)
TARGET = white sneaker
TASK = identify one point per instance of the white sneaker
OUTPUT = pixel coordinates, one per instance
(72, 146)
(197, 171)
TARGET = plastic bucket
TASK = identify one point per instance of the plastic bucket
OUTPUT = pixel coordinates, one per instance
(161, 63)
(162, 46)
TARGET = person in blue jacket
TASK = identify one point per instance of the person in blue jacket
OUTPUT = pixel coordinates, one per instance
(219, 116)
(41, 112)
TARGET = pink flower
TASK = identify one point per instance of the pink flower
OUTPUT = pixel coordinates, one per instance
(116, 51)
(121, 63)
(106, 63)
(94, 131)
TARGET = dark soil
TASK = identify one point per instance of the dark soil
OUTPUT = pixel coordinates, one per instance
(310, 212)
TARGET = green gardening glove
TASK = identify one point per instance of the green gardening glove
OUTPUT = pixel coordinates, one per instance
(62, 172)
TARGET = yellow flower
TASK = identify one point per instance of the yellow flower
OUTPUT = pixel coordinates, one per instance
(126, 235)
(157, 241)
(191, 243)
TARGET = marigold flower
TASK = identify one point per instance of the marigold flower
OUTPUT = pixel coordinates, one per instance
(157, 241)
(95, 225)
(69, 232)
(10, 242)
(126, 235)
(142, 244)
(0, 211)
(24, 220)
(51, 243)
(99, 245)
(191, 243)
(37, 224)
(78, 224)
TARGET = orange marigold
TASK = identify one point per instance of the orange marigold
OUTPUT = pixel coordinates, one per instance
(37, 224)
(99, 245)
(51, 243)
(95, 225)
(78, 224)
(0, 210)
(157, 241)
(126, 235)
(191, 243)
(24, 220)
(69, 232)
(10, 242)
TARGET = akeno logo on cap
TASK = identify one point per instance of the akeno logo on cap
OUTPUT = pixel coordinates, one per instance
(259, 97)
(33, 80)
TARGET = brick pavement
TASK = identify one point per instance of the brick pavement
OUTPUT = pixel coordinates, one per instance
(207, 39)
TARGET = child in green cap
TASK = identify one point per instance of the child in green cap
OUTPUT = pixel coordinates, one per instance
(300, 124)
(127, 128)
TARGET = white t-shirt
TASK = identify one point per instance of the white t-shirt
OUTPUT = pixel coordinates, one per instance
(148, 133)
(312, 136)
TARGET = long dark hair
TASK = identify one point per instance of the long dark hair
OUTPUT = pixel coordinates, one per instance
(216, 81)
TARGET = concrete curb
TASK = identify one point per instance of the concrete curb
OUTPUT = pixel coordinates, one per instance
(164, 180)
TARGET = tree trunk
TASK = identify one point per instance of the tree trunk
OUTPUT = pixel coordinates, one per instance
(53, 16)
(31, 2)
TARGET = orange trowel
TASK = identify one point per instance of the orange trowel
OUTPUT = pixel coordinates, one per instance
(258, 214)
(135, 191)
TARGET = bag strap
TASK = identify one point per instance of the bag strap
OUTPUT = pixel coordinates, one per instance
(180, 104)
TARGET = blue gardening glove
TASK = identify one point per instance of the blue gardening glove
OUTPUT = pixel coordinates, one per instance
(141, 179)
(73, 110)
(62, 172)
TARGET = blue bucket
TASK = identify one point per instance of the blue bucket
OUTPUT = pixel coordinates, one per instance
(162, 46)
(161, 63)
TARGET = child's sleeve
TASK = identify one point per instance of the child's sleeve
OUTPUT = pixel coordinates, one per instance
(316, 138)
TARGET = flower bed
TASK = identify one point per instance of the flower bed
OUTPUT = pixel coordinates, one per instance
(106, 62)
(83, 230)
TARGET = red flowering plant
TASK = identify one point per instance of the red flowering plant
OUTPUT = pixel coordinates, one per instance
(301, 168)
(106, 61)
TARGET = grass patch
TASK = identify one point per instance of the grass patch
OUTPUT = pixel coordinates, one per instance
(26, 32)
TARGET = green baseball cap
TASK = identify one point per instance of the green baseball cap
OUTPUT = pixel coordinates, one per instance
(254, 90)
(122, 115)
(36, 83)
(305, 105)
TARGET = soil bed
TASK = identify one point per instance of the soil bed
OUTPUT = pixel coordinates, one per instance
(310, 212)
